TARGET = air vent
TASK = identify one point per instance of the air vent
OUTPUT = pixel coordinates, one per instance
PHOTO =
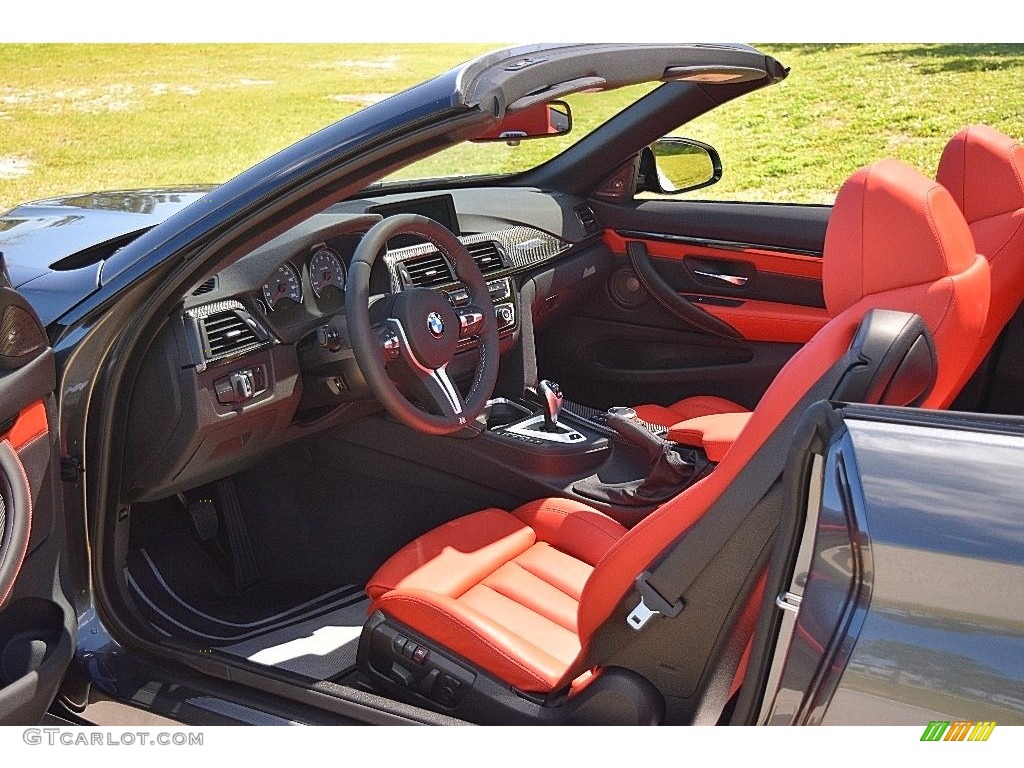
(228, 332)
(488, 256)
(206, 287)
(427, 271)
(588, 219)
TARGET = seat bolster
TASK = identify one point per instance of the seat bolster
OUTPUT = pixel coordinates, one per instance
(571, 527)
(715, 433)
(455, 556)
(471, 635)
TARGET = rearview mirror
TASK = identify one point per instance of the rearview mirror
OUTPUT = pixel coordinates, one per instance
(673, 165)
(536, 122)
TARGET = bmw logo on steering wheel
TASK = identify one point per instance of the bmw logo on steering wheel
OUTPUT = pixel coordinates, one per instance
(435, 325)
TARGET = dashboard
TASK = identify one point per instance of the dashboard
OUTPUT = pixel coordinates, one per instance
(259, 352)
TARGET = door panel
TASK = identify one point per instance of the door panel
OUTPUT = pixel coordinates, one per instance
(796, 228)
(37, 622)
(755, 267)
(771, 321)
(691, 265)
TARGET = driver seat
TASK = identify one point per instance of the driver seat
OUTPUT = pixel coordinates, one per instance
(496, 616)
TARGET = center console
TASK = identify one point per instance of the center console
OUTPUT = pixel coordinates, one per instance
(610, 460)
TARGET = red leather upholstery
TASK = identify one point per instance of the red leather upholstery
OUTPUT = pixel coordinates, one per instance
(687, 408)
(501, 589)
(714, 433)
(892, 246)
(506, 610)
(29, 424)
(984, 171)
(951, 297)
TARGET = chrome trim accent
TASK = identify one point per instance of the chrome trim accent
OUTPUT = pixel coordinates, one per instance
(569, 436)
(502, 328)
(468, 319)
(707, 242)
(440, 375)
(639, 616)
(194, 317)
(787, 601)
(511, 403)
(737, 280)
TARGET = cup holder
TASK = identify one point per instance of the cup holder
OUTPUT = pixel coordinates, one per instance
(501, 412)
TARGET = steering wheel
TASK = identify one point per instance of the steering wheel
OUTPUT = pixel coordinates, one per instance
(413, 335)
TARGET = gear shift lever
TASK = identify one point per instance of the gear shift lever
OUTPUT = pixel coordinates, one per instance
(552, 399)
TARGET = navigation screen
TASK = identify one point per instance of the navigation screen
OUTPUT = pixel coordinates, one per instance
(440, 208)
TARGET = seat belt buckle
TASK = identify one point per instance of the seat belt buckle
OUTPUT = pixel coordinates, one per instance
(651, 604)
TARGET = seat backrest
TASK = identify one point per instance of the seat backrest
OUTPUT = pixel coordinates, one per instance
(896, 240)
(984, 171)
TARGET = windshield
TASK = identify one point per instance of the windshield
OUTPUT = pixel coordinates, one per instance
(589, 111)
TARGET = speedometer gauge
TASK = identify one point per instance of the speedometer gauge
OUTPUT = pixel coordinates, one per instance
(283, 284)
(326, 269)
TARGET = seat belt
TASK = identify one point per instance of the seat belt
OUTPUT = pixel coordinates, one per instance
(892, 355)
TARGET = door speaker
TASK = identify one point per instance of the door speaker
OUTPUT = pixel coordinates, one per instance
(625, 289)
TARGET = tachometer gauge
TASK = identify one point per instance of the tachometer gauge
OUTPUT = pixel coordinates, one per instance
(325, 268)
(283, 284)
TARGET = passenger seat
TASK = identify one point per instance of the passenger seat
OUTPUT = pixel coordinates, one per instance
(983, 169)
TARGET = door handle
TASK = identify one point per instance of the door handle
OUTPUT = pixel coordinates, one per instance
(738, 280)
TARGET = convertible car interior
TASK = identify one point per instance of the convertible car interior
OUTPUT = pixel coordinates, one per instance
(355, 549)
(472, 448)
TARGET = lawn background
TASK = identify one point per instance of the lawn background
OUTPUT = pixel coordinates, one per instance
(77, 118)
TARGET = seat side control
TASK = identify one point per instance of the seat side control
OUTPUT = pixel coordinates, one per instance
(417, 668)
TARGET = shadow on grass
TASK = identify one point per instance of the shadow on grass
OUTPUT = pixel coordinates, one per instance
(931, 59)
(977, 57)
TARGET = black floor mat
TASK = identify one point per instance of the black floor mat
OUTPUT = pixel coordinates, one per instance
(312, 519)
(185, 588)
(182, 594)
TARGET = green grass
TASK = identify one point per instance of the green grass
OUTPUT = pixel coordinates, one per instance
(86, 117)
(845, 106)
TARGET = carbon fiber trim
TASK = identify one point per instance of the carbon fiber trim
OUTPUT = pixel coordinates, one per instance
(197, 316)
(600, 418)
(524, 247)
(20, 335)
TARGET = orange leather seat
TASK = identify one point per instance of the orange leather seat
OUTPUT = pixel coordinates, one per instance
(984, 171)
(687, 408)
(521, 594)
(503, 589)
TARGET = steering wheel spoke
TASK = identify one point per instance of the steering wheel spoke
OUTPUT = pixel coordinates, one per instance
(443, 393)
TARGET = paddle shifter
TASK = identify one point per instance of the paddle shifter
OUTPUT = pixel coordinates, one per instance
(551, 395)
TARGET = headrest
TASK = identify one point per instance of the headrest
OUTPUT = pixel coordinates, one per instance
(984, 171)
(891, 227)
